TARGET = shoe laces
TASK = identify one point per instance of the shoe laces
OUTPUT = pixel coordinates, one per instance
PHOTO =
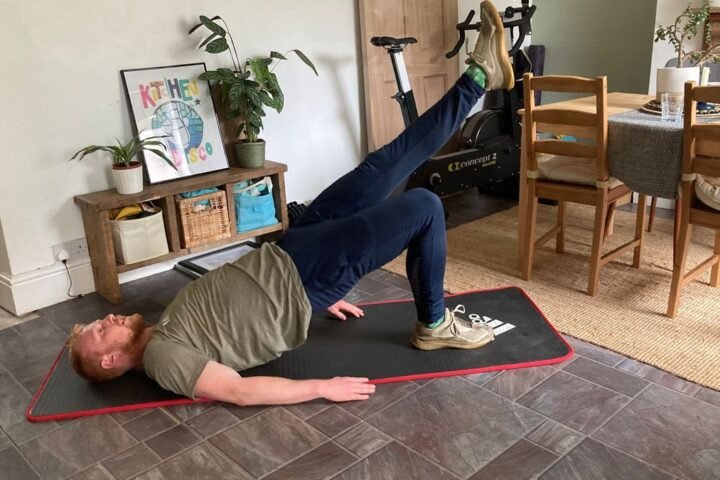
(455, 321)
(474, 320)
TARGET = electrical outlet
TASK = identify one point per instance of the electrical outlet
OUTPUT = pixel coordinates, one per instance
(75, 248)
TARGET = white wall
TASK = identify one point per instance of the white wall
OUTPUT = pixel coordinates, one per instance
(62, 90)
(4, 260)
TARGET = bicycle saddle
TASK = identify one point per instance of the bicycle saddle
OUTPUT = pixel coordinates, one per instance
(391, 42)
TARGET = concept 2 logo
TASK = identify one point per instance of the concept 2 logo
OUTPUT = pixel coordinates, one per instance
(484, 161)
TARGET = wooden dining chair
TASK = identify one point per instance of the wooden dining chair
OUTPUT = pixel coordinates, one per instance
(572, 171)
(700, 193)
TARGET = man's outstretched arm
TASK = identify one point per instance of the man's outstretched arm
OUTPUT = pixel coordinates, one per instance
(222, 383)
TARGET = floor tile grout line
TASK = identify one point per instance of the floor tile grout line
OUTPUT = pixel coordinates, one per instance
(503, 371)
(168, 459)
(597, 385)
(524, 437)
(615, 414)
(583, 435)
(279, 467)
(22, 454)
(298, 457)
(609, 419)
(645, 462)
(90, 467)
(393, 403)
(663, 372)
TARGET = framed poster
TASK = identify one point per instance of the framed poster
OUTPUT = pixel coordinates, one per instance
(172, 101)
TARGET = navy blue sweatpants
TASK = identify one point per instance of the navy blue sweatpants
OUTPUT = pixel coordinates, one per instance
(354, 227)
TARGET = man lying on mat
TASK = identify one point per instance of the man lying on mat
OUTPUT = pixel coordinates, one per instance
(249, 312)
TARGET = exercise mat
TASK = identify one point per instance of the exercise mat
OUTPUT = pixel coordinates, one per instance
(374, 346)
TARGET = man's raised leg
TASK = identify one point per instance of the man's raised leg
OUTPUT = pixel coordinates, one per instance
(385, 169)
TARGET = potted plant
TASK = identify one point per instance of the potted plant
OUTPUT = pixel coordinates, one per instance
(126, 169)
(684, 29)
(245, 89)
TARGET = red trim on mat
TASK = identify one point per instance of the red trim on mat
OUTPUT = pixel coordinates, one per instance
(99, 411)
(378, 381)
(494, 368)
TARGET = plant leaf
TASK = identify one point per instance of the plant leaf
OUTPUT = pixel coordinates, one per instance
(305, 60)
(212, 26)
(162, 155)
(195, 27)
(205, 42)
(277, 55)
(218, 45)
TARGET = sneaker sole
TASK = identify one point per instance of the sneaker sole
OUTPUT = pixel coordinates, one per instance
(440, 344)
(502, 54)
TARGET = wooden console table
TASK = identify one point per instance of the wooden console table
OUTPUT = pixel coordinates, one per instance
(96, 208)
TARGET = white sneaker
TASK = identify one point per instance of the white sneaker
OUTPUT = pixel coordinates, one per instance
(453, 332)
(491, 53)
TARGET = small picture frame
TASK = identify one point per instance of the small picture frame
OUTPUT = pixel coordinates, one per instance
(173, 102)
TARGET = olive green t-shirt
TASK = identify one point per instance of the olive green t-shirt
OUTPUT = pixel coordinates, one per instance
(242, 314)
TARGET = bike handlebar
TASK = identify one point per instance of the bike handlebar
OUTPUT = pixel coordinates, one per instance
(523, 25)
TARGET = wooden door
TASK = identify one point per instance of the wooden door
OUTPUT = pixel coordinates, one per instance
(432, 23)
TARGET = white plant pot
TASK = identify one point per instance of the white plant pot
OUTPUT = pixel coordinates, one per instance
(128, 179)
(672, 79)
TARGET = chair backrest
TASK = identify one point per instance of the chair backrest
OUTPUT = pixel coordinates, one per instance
(587, 123)
(701, 142)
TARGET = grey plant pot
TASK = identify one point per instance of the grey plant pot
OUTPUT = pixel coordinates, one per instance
(250, 155)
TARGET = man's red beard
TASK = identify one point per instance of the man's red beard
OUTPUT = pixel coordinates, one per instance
(136, 325)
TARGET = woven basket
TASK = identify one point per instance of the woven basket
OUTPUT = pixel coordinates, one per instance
(203, 218)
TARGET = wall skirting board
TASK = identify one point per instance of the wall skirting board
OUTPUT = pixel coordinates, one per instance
(26, 292)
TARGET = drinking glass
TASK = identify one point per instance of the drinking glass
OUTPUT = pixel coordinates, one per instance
(672, 106)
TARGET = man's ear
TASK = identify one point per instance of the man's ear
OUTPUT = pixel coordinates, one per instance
(108, 361)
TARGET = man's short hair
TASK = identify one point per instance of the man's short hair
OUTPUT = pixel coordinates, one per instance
(87, 364)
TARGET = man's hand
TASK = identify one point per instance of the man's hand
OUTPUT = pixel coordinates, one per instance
(342, 307)
(344, 389)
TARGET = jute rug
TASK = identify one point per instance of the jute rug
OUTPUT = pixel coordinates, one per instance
(627, 315)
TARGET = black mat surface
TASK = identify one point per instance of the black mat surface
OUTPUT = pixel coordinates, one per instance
(375, 346)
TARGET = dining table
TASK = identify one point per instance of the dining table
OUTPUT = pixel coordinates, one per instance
(644, 151)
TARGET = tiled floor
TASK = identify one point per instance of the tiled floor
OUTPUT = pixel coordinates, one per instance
(598, 416)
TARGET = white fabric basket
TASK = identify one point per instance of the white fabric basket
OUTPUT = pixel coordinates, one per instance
(139, 239)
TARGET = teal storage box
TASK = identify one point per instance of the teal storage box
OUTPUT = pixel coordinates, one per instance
(254, 204)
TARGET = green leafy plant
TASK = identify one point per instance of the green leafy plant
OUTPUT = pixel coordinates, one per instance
(686, 28)
(124, 154)
(248, 87)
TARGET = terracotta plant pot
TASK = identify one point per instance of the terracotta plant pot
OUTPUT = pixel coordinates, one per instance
(250, 155)
(128, 179)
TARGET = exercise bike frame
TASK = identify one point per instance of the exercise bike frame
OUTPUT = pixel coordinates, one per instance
(489, 141)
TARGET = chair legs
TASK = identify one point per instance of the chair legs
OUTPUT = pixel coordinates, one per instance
(601, 211)
(610, 220)
(529, 240)
(639, 229)
(679, 263)
(653, 207)
(715, 273)
(560, 238)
